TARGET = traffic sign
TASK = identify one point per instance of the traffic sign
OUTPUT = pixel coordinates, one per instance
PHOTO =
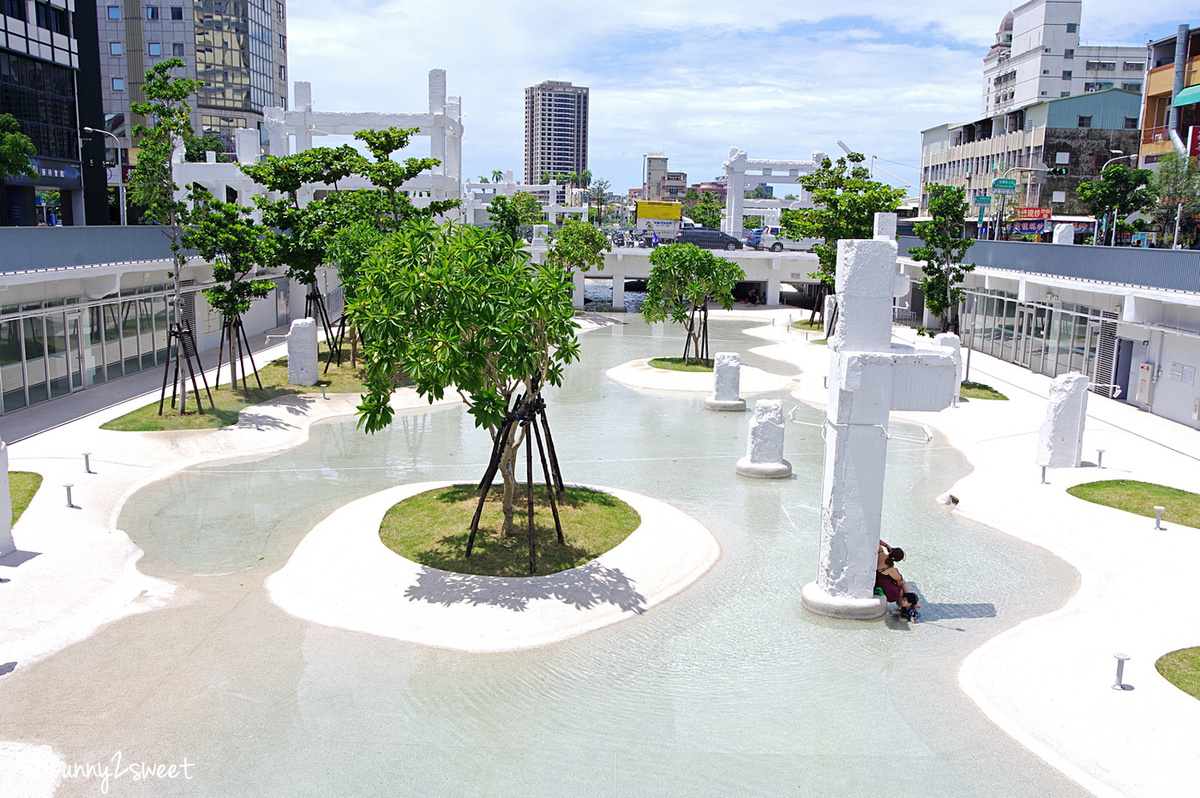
(983, 199)
(1004, 185)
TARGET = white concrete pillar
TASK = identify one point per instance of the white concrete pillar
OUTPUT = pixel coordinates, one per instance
(772, 298)
(954, 344)
(577, 291)
(1060, 438)
(618, 292)
(868, 377)
(727, 378)
(302, 352)
(1064, 234)
(302, 97)
(6, 539)
(764, 449)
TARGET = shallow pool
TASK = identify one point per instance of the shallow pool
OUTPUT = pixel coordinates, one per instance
(729, 689)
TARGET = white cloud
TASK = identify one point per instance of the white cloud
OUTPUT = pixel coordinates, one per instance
(691, 79)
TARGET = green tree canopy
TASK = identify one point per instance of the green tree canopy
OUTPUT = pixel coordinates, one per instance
(684, 279)
(846, 200)
(941, 255)
(1120, 189)
(151, 183)
(578, 245)
(15, 149)
(510, 213)
(463, 308)
(703, 209)
(1176, 183)
(196, 149)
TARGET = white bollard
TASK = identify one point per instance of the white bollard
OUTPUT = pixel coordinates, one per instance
(727, 370)
(764, 451)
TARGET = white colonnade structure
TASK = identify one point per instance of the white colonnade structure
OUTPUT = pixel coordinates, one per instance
(478, 196)
(739, 165)
(869, 376)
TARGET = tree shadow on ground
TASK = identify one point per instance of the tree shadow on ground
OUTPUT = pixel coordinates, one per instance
(583, 588)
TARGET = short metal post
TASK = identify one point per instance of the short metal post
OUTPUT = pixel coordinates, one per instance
(1118, 684)
(1158, 511)
(1044, 475)
(1099, 458)
(323, 396)
(70, 503)
(87, 463)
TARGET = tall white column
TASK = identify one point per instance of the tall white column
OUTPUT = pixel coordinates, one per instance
(6, 538)
(868, 377)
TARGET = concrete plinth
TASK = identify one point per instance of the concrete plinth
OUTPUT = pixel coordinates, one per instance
(817, 600)
(6, 538)
(302, 352)
(1060, 439)
(764, 452)
(727, 370)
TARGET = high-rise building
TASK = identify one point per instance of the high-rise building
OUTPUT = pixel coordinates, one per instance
(239, 50)
(47, 73)
(556, 129)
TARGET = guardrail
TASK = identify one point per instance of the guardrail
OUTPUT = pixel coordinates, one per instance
(24, 249)
(1165, 269)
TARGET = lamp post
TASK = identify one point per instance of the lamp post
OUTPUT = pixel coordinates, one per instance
(120, 169)
(1120, 157)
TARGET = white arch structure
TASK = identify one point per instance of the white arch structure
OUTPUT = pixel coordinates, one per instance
(763, 171)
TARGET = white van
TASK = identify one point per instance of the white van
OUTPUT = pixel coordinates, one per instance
(773, 238)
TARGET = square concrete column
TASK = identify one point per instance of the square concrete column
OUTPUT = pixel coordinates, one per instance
(6, 539)
(618, 292)
(302, 352)
(1060, 438)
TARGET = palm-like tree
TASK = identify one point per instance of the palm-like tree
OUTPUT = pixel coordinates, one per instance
(497, 176)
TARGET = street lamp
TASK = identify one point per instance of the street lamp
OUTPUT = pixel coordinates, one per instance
(120, 168)
(1120, 157)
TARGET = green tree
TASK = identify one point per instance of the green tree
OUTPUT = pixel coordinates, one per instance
(1176, 183)
(759, 192)
(497, 176)
(196, 148)
(15, 149)
(510, 213)
(846, 200)
(1120, 190)
(225, 235)
(463, 308)
(578, 245)
(703, 209)
(684, 280)
(941, 256)
(152, 183)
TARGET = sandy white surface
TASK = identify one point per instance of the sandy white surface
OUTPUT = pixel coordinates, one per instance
(342, 575)
(639, 374)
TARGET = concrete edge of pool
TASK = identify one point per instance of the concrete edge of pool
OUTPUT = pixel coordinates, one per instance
(342, 575)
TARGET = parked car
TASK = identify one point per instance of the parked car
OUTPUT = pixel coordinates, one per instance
(774, 239)
(753, 237)
(707, 239)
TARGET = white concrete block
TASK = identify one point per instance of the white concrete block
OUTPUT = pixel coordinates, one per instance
(6, 538)
(865, 274)
(302, 352)
(764, 450)
(954, 344)
(828, 309)
(901, 285)
(1060, 439)
(885, 227)
(727, 370)
(1064, 234)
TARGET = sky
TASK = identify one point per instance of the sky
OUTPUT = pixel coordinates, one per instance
(780, 79)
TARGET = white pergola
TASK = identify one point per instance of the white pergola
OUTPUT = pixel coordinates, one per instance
(739, 165)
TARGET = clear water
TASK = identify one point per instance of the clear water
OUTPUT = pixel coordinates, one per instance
(729, 689)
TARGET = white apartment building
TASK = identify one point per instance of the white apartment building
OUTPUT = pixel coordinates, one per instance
(1037, 57)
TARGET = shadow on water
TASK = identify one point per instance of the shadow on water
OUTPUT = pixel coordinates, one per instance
(583, 588)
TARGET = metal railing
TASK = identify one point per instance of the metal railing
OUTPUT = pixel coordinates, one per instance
(1165, 269)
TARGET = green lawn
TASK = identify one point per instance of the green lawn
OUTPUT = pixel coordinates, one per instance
(977, 390)
(21, 486)
(1182, 669)
(432, 528)
(1182, 507)
(677, 364)
(339, 379)
(808, 325)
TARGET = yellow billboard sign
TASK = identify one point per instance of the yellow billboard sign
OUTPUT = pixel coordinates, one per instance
(649, 209)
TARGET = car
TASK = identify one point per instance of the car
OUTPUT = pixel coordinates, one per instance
(753, 237)
(774, 239)
(707, 239)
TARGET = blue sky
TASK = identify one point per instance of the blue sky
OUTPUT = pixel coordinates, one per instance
(689, 79)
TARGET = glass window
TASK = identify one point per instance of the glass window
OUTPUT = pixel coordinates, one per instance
(1137, 87)
(282, 42)
(1072, 27)
(12, 380)
(114, 12)
(152, 13)
(153, 49)
(58, 362)
(1066, 74)
(35, 359)
(93, 347)
(118, 84)
(1068, 53)
(1084, 122)
(16, 10)
(177, 49)
(114, 48)
(176, 13)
